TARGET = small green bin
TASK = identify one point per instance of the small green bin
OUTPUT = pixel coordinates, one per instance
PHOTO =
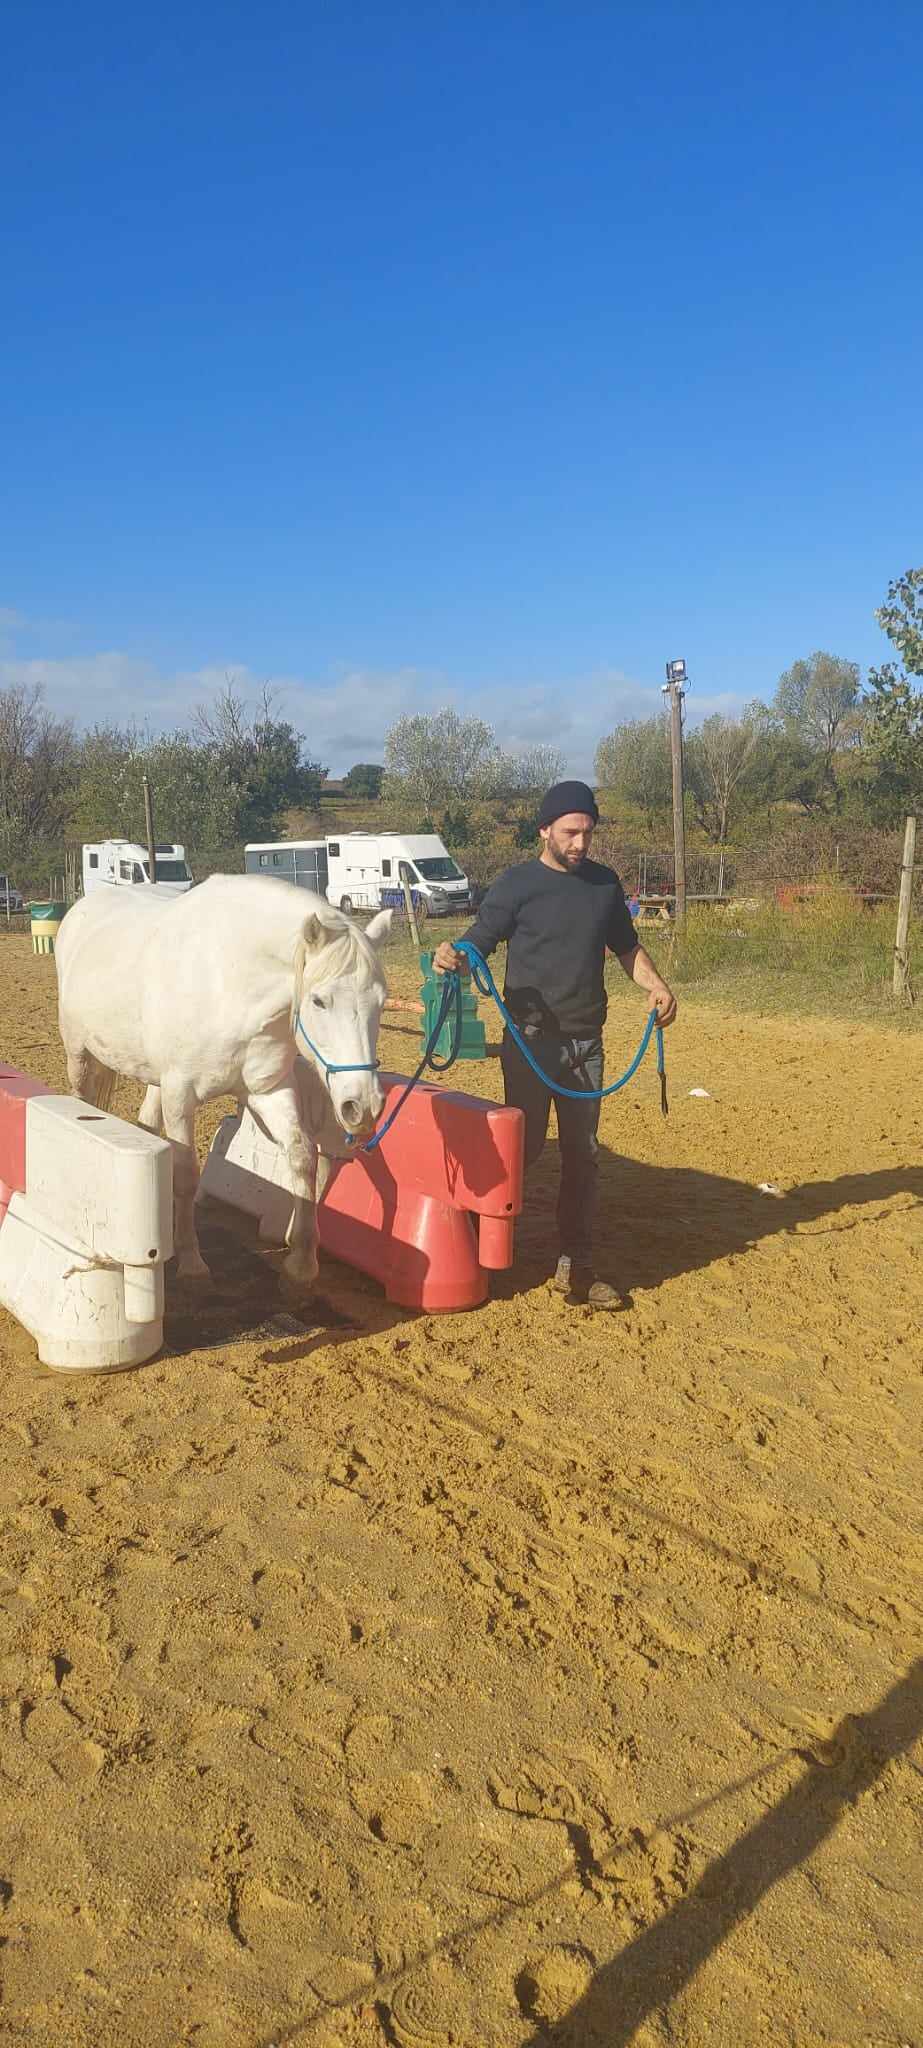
(46, 923)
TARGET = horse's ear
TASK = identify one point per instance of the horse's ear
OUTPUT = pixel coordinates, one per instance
(311, 938)
(377, 931)
(314, 935)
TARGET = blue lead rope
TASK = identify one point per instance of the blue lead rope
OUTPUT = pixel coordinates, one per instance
(486, 986)
(451, 1004)
(451, 999)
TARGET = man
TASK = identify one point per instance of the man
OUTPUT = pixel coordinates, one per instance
(559, 914)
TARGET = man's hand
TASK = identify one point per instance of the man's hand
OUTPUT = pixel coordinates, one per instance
(664, 1002)
(445, 960)
(640, 969)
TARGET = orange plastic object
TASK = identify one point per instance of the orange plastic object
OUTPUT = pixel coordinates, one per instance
(406, 1211)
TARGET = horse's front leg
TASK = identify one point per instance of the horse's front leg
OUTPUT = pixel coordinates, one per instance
(279, 1114)
(178, 1107)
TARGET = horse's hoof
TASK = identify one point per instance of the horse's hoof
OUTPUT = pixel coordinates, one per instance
(297, 1282)
(194, 1273)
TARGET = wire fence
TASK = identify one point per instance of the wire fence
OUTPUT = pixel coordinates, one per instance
(797, 860)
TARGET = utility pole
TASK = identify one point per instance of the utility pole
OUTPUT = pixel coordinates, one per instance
(901, 982)
(149, 828)
(674, 688)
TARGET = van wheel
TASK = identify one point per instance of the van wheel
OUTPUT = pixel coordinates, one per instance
(346, 905)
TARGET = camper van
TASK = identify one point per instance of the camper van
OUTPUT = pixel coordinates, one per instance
(121, 862)
(302, 861)
(366, 871)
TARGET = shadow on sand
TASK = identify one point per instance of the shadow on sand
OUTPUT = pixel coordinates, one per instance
(656, 1222)
(654, 1967)
(662, 1959)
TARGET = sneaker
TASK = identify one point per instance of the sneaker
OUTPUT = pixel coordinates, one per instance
(561, 1276)
(597, 1293)
(601, 1294)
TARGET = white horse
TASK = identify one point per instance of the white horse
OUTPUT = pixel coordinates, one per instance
(213, 993)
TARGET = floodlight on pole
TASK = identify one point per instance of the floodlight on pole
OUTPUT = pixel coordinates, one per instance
(673, 689)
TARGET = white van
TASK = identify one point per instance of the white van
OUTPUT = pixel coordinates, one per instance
(366, 871)
(121, 862)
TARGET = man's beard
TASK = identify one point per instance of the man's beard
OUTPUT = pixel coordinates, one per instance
(567, 856)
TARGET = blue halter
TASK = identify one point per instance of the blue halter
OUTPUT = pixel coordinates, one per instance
(334, 1066)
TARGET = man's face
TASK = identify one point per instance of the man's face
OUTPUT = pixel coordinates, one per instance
(567, 842)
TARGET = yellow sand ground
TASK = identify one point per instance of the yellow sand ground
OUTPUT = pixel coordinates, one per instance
(496, 1680)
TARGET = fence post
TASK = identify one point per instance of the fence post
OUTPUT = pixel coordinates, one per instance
(149, 829)
(408, 905)
(901, 983)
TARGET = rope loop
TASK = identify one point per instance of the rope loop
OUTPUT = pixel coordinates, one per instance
(486, 986)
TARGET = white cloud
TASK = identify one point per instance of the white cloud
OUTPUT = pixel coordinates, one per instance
(345, 716)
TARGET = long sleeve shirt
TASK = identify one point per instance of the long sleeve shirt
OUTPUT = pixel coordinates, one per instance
(558, 928)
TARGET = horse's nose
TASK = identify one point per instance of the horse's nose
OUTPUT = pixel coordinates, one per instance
(352, 1112)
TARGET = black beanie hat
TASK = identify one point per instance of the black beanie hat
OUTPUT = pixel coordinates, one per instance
(566, 797)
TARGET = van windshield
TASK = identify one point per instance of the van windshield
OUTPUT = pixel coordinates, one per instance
(439, 868)
(171, 870)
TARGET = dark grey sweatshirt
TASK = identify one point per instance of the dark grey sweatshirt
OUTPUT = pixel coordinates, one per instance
(558, 928)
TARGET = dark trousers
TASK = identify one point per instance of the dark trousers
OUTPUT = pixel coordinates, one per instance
(578, 1063)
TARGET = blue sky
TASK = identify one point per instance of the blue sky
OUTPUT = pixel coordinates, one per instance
(485, 353)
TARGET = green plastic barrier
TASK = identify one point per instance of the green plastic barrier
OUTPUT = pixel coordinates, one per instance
(473, 1035)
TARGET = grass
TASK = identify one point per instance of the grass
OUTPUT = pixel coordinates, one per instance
(828, 957)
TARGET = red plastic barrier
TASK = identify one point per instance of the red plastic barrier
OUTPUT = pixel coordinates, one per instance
(15, 1091)
(405, 1212)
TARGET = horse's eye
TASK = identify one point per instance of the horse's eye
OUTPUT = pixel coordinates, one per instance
(318, 1002)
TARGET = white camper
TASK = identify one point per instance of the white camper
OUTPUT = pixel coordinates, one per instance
(367, 870)
(121, 862)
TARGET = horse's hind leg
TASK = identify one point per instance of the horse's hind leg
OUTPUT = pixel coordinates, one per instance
(81, 1068)
(150, 1115)
(89, 1078)
(179, 1108)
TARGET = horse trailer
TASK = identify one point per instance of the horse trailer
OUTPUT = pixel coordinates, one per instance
(302, 861)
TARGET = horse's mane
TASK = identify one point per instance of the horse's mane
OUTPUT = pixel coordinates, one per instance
(347, 951)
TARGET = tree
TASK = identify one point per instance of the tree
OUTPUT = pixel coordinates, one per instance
(528, 773)
(365, 779)
(818, 708)
(262, 757)
(634, 763)
(895, 737)
(718, 758)
(901, 617)
(194, 801)
(433, 760)
(38, 758)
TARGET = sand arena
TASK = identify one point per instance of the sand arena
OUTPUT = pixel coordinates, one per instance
(492, 1681)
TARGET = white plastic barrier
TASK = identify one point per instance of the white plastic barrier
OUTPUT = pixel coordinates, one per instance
(82, 1247)
(249, 1171)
